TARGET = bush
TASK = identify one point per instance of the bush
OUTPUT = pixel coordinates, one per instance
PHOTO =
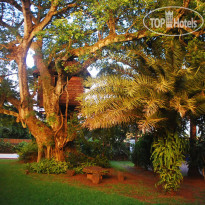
(78, 161)
(141, 155)
(79, 169)
(6, 147)
(27, 151)
(48, 166)
(101, 161)
(105, 142)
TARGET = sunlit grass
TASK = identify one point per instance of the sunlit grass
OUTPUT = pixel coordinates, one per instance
(35, 189)
(121, 165)
(18, 188)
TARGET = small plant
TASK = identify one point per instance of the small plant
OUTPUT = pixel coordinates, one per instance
(167, 159)
(27, 151)
(47, 166)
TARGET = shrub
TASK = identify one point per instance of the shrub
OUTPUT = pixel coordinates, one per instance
(105, 142)
(48, 166)
(141, 155)
(78, 161)
(27, 151)
(79, 169)
(6, 147)
(101, 161)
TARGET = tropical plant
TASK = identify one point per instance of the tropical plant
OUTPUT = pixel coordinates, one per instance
(167, 159)
(153, 93)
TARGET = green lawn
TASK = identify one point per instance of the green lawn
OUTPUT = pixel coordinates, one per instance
(120, 165)
(18, 188)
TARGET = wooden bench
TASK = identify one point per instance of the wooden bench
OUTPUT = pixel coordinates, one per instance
(95, 173)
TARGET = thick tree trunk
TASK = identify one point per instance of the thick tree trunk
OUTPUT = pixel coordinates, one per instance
(59, 154)
(40, 153)
(193, 167)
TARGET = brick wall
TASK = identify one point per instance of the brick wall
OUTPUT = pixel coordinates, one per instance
(15, 141)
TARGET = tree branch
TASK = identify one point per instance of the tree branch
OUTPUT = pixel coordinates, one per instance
(14, 101)
(66, 8)
(106, 42)
(9, 112)
(12, 29)
(6, 25)
(27, 17)
(13, 3)
(52, 12)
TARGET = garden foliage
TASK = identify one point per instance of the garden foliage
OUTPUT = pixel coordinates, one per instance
(48, 166)
(27, 151)
(108, 143)
(6, 147)
(78, 161)
(141, 155)
(167, 159)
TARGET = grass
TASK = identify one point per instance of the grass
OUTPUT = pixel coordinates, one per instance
(120, 165)
(21, 189)
(35, 189)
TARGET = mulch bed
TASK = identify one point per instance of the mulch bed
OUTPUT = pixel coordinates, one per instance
(191, 190)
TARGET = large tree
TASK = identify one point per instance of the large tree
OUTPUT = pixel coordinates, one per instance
(92, 26)
(61, 31)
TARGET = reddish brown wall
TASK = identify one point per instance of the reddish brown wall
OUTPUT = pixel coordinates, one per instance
(15, 141)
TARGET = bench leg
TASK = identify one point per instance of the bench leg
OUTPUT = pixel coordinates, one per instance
(96, 178)
(120, 176)
(89, 176)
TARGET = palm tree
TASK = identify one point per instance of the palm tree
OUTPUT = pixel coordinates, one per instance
(156, 93)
